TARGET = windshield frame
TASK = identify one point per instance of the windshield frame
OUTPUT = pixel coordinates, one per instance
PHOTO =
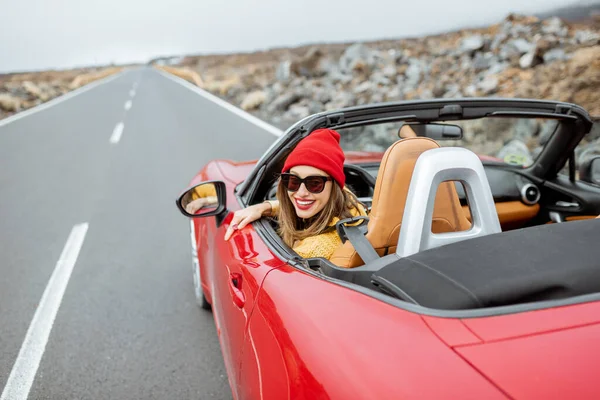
(575, 124)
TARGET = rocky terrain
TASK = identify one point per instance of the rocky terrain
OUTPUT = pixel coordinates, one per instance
(20, 91)
(521, 56)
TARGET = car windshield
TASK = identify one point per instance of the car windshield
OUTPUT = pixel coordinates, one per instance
(516, 141)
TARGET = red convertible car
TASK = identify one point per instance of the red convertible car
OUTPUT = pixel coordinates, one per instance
(481, 271)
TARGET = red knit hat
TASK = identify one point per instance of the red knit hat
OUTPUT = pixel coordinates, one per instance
(321, 149)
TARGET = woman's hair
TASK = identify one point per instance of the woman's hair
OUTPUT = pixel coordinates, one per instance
(293, 228)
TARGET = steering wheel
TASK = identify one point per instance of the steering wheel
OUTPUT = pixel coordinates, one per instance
(358, 177)
(355, 170)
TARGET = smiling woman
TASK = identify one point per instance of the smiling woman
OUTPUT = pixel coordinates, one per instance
(311, 197)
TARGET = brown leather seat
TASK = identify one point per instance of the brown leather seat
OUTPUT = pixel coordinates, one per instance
(389, 199)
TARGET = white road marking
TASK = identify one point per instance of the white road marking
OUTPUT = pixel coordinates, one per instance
(59, 99)
(128, 105)
(25, 368)
(238, 111)
(132, 93)
(116, 135)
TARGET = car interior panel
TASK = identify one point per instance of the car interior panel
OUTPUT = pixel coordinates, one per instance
(512, 214)
(580, 217)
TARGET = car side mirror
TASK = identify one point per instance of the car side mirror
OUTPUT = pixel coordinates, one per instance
(589, 170)
(206, 199)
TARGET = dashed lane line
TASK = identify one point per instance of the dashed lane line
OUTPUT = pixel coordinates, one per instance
(117, 133)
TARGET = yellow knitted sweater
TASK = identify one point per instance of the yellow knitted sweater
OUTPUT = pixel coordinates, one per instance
(324, 244)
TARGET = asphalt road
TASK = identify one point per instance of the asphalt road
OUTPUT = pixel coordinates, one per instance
(128, 326)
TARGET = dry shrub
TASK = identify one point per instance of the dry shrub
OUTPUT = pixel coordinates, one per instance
(184, 73)
(84, 79)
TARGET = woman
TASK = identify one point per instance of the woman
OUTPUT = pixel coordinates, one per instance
(311, 197)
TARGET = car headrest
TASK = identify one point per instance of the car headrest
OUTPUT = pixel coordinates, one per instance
(389, 200)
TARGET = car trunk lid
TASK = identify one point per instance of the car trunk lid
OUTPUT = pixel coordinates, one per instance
(548, 353)
(563, 363)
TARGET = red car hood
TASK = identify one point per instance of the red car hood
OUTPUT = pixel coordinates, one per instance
(552, 353)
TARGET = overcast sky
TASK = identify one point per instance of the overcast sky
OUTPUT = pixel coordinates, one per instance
(40, 34)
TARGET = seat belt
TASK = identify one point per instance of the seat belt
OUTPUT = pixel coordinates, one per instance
(356, 235)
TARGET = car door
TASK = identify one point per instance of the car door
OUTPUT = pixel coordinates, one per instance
(239, 268)
(310, 338)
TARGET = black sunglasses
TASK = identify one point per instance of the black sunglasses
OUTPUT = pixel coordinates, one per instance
(314, 184)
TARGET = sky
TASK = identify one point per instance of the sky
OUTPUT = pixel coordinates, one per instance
(46, 34)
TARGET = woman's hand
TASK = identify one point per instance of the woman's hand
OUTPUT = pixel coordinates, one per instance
(243, 217)
(195, 205)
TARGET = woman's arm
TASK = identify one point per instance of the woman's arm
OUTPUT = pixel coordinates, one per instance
(245, 216)
(201, 202)
(273, 211)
